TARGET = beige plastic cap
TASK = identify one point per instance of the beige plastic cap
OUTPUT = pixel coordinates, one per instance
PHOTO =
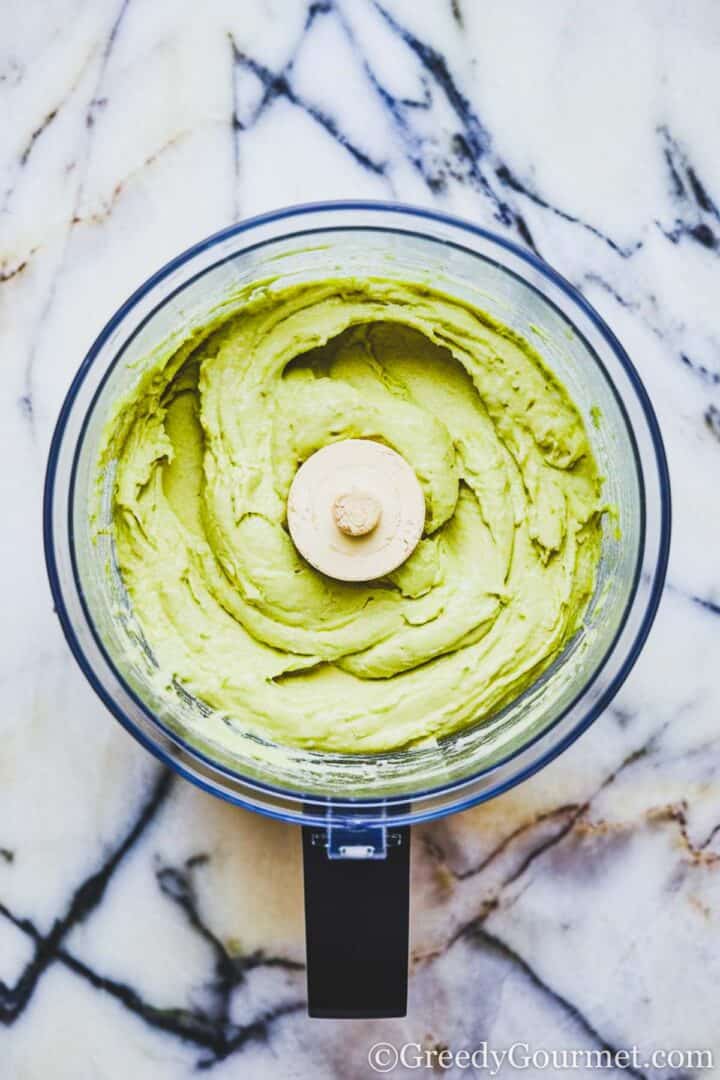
(356, 510)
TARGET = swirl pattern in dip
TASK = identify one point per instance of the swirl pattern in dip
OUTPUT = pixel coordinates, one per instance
(206, 449)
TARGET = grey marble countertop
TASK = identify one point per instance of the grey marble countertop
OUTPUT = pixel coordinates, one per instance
(148, 930)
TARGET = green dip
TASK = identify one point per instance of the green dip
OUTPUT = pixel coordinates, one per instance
(206, 448)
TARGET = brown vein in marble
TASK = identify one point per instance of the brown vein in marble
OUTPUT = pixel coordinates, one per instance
(677, 814)
(42, 127)
(96, 217)
(27, 396)
(35, 135)
(8, 273)
(571, 813)
(474, 930)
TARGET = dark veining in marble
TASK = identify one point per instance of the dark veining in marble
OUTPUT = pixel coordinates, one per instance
(96, 106)
(210, 1029)
(524, 230)
(623, 716)
(699, 216)
(178, 885)
(29, 146)
(85, 899)
(437, 160)
(108, 48)
(707, 605)
(491, 944)
(7, 854)
(318, 7)
(701, 370)
(593, 278)
(508, 179)
(477, 137)
(276, 86)
(235, 128)
(701, 233)
(467, 156)
(457, 13)
(188, 1025)
(686, 182)
(712, 420)
(10, 270)
(468, 146)
(702, 602)
(35, 135)
(705, 844)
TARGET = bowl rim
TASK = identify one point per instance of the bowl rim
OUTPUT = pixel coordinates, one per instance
(349, 804)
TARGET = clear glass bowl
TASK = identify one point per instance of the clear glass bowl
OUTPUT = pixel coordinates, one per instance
(357, 239)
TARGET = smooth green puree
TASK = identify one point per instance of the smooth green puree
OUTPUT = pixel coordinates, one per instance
(207, 446)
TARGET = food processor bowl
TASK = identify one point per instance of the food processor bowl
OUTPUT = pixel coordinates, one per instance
(355, 807)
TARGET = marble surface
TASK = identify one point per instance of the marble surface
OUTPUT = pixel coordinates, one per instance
(147, 930)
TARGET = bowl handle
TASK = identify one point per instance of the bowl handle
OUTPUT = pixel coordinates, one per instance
(357, 891)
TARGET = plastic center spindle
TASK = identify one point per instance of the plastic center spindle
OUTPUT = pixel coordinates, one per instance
(356, 513)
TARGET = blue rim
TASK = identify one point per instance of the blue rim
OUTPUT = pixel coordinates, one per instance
(298, 212)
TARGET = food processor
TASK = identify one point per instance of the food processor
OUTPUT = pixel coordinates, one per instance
(356, 809)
